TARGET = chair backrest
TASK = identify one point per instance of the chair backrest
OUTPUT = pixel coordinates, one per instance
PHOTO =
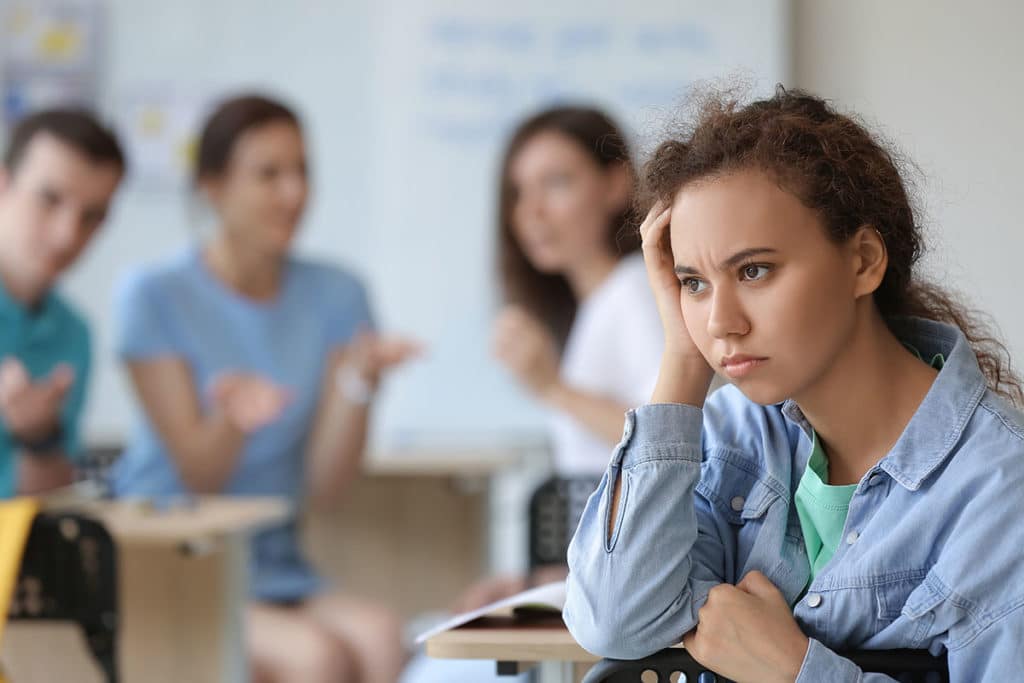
(69, 573)
(677, 666)
(96, 464)
(555, 510)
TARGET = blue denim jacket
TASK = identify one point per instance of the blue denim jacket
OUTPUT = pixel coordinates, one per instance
(932, 552)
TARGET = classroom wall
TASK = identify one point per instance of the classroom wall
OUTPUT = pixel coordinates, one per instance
(407, 104)
(926, 73)
(944, 80)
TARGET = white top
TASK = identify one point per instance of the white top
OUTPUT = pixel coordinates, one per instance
(614, 350)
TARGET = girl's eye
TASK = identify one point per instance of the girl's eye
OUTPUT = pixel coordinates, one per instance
(755, 271)
(693, 285)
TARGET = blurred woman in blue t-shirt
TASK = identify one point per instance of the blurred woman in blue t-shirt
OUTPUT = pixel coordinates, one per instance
(255, 370)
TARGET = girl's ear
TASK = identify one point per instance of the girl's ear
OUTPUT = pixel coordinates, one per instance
(869, 259)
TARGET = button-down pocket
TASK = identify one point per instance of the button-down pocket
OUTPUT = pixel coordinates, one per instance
(733, 485)
(890, 597)
(743, 496)
(911, 613)
(932, 612)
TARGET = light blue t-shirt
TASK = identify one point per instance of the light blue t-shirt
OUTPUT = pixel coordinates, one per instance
(42, 338)
(182, 310)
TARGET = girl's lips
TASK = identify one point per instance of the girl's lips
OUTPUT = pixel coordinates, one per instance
(741, 367)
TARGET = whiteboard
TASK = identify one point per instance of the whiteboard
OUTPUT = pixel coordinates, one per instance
(407, 104)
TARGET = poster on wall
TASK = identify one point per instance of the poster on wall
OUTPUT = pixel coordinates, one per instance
(49, 51)
(159, 126)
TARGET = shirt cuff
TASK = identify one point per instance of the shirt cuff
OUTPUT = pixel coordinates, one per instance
(822, 664)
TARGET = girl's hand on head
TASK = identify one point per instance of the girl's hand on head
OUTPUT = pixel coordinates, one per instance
(247, 400)
(685, 375)
(747, 632)
(657, 251)
(526, 348)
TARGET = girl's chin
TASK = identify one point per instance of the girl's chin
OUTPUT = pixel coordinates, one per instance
(548, 263)
(761, 393)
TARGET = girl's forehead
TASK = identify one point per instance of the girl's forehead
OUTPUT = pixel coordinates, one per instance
(740, 210)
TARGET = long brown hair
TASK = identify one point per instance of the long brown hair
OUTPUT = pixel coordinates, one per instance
(549, 297)
(836, 167)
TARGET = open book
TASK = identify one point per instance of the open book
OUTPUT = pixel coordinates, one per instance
(550, 597)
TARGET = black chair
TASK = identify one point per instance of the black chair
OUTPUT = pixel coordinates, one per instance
(555, 509)
(69, 573)
(95, 466)
(677, 666)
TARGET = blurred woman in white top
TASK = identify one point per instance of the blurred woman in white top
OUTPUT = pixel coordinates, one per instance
(579, 315)
(579, 328)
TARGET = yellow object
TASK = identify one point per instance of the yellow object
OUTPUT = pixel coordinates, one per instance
(15, 521)
(187, 153)
(60, 43)
(152, 122)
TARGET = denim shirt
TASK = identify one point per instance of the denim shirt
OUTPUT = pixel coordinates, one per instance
(931, 554)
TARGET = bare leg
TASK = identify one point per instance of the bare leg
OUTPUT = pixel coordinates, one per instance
(373, 634)
(286, 645)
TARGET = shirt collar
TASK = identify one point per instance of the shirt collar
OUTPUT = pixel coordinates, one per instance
(940, 420)
(41, 318)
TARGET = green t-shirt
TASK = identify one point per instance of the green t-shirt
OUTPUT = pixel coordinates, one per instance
(822, 508)
(42, 338)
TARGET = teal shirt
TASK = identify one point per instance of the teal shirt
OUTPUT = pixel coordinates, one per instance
(42, 338)
(823, 508)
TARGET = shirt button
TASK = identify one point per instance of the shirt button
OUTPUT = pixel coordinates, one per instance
(852, 537)
(813, 599)
(737, 503)
(875, 480)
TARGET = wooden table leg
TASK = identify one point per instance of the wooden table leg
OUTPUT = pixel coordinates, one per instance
(182, 613)
(182, 619)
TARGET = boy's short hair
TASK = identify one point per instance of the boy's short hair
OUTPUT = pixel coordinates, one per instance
(78, 128)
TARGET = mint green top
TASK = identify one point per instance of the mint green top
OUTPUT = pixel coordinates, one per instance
(822, 508)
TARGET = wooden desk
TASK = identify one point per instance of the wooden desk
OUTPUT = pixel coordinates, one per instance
(412, 531)
(183, 586)
(515, 647)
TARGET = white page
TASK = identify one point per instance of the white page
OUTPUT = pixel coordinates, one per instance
(549, 595)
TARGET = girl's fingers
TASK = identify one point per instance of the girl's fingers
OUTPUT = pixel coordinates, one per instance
(656, 211)
(652, 233)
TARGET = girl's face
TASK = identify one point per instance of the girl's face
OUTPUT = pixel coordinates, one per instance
(262, 193)
(760, 280)
(563, 201)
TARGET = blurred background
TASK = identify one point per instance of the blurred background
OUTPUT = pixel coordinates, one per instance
(406, 107)
(407, 103)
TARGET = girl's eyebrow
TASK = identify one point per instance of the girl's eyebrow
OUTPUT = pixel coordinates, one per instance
(731, 262)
